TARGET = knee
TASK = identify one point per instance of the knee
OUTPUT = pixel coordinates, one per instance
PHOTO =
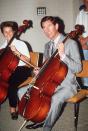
(57, 100)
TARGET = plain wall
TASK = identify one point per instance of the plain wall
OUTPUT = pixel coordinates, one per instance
(20, 10)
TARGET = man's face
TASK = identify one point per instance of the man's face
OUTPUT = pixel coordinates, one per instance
(8, 33)
(50, 30)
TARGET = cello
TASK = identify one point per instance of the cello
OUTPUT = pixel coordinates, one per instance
(35, 103)
(9, 62)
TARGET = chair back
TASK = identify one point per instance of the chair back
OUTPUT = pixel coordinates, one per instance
(36, 58)
(84, 72)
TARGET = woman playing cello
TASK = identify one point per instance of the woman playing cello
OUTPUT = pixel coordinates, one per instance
(8, 28)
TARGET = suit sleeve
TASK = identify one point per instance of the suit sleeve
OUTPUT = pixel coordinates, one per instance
(72, 58)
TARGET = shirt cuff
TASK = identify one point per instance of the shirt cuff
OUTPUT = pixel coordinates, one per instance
(62, 57)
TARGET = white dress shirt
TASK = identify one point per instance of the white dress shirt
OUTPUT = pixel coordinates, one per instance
(20, 46)
(82, 19)
(56, 44)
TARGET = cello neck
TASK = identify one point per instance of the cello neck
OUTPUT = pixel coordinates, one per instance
(46, 63)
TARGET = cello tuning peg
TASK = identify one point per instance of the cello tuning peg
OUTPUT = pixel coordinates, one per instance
(28, 23)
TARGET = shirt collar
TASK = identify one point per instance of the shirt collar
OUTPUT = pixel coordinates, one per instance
(57, 39)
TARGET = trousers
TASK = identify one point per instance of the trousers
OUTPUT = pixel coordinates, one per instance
(20, 75)
(57, 107)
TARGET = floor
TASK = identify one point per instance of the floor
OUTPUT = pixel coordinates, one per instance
(65, 123)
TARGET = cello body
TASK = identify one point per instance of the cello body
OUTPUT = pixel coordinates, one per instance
(36, 107)
(8, 63)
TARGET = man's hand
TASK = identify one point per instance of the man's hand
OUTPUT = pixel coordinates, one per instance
(36, 71)
(61, 50)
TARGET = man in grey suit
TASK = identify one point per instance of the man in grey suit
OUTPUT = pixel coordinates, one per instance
(69, 54)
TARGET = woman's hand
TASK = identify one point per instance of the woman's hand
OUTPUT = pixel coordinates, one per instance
(14, 50)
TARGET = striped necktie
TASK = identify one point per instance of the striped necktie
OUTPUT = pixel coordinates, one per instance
(52, 47)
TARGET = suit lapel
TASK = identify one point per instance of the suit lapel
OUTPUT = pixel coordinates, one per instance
(48, 47)
(61, 38)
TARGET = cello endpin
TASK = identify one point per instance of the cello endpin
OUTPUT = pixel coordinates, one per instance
(23, 125)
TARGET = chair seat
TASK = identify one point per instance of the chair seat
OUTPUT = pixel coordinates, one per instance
(82, 94)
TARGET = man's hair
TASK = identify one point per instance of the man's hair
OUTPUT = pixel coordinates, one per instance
(55, 20)
(82, 7)
(11, 24)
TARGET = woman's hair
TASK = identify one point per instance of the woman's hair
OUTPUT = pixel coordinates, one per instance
(11, 24)
(55, 20)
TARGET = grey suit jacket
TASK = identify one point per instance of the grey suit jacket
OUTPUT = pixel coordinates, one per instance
(72, 60)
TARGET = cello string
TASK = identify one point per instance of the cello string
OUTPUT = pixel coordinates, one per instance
(32, 82)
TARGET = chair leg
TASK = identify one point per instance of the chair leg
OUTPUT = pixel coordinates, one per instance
(76, 114)
(0, 107)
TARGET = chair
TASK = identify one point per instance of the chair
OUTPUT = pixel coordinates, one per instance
(81, 95)
(36, 59)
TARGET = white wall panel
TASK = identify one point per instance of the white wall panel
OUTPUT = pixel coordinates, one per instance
(19, 10)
